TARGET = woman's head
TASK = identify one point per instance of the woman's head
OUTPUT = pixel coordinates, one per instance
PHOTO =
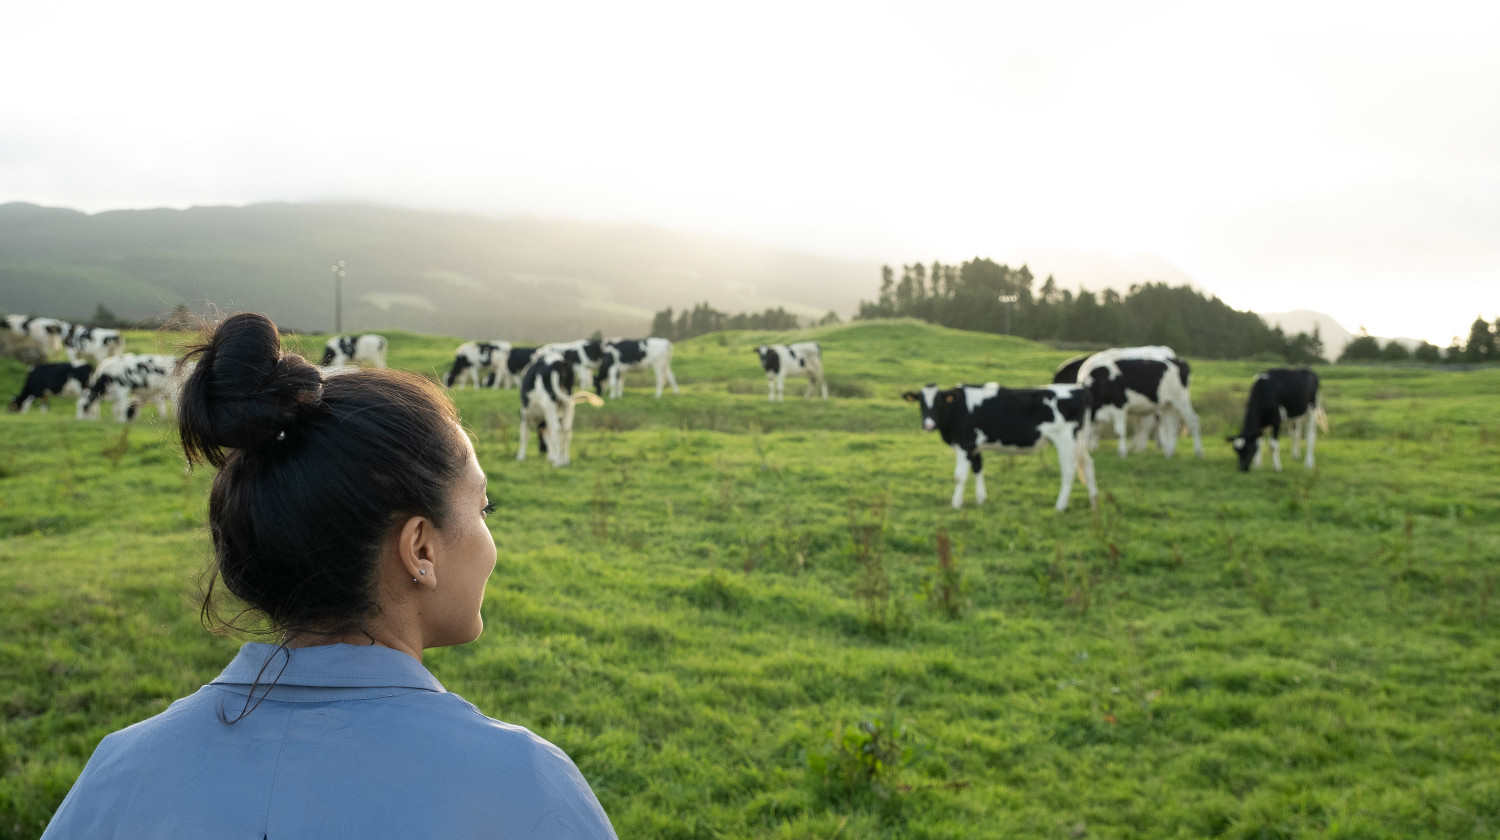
(316, 475)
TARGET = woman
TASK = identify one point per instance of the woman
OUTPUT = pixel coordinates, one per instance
(348, 515)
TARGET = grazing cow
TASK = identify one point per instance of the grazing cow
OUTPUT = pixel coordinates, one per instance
(1142, 381)
(976, 418)
(623, 354)
(97, 343)
(547, 402)
(48, 332)
(129, 381)
(585, 355)
(55, 380)
(344, 349)
(1280, 394)
(475, 358)
(778, 360)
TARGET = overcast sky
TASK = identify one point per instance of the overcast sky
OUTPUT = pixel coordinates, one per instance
(1339, 156)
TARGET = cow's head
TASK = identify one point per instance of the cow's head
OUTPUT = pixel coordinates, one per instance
(934, 404)
(328, 355)
(769, 360)
(1245, 448)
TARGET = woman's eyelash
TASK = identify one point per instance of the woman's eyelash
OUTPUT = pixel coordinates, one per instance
(490, 508)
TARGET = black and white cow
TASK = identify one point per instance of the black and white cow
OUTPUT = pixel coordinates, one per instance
(778, 360)
(625, 354)
(978, 418)
(480, 360)
(345, 349)
(508, 373)
(54, 380)
(97, 343)
(1280, 395)
(1142, 381)
(547, 402)
(131, 380)
(48, 332)
(1067, 372)
(584, 354)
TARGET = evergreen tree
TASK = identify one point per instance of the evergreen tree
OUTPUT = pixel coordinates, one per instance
(1481, 346)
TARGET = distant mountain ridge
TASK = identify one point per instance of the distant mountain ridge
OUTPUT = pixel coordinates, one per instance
(435, 272)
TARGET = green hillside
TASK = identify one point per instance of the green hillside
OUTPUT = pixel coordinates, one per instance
(405, 269)
(732, 614)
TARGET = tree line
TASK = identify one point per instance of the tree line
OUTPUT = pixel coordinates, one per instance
(1483, 345)
(983, 295)
(703, 318)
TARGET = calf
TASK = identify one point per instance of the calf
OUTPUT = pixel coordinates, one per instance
(48, 332)
(475, 358)
(344, 349)
(1142, 381)
(1289, 394)
(585, 355)
(778, 360)
(976, 418)
(130, 380)
(97, 343)
(547, 402)
(55, 380)
(623, 354)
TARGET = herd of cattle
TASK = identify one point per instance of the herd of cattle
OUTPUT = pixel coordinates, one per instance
(1150, 384)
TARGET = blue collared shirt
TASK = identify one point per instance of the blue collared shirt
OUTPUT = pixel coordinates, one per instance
(353, 741)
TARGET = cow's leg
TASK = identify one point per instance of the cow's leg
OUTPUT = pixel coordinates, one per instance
(1259, 450)
(771, 387)
(977, 462)
(1119, 423)
(1143, 431)
(563, 434)
(1171, 427)
(1312, 438)
(671, 380)
(960, 476)
(1276, 448)
(823, 383)
(1185, 409)
(525, 432)
(1086, 464)
(1067, 464)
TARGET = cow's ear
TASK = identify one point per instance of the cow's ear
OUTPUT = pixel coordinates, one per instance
(948, 398)
(910, 396)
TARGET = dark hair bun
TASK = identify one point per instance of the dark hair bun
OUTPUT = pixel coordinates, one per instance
(245, 391)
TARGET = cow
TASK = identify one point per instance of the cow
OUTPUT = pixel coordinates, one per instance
(345, 349)
(978, 418)
(1142, 381)
(585, 355)
(508, 373)
(624, 354)
(97, 343)
(1280, 394)
(547, 402)
(48, 332)
(55, 380)
(1067, 372)
(129, 381)
(478, 359)
(778, 360)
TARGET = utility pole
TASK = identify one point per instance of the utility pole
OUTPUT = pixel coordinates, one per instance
(338, 297)
(1008, 300)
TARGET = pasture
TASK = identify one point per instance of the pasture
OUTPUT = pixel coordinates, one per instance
(745, 619)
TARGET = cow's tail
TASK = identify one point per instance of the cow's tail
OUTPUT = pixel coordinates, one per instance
(588, 397)
(1320, 415)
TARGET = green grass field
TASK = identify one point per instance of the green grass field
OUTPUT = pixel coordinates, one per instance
(733, 616)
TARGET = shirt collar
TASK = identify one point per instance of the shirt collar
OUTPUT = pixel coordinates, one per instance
(330, 666)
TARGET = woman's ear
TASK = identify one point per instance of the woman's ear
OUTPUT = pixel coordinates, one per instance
(415, 550)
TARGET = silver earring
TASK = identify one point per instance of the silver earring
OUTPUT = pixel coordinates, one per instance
(421, 571)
